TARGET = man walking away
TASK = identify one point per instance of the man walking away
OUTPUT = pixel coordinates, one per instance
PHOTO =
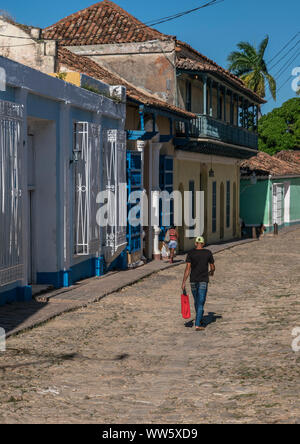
(198, 260)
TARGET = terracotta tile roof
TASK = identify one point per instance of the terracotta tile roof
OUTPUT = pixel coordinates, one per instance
(264, 164)
(84, 65)
(107, 23)
(190, 59)
(101, 23)
(289, 156)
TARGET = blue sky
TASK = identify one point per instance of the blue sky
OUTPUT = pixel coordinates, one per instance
(213, 31)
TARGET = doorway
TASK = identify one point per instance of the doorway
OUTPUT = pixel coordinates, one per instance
(278, 204)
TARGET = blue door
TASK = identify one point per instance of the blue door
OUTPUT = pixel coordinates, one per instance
(134, 183)
(166, 173)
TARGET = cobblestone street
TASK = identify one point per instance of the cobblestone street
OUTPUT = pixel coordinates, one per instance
(130, 358)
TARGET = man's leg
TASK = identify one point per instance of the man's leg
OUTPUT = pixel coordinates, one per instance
(201, 301)
(194, 288)
(198, 298)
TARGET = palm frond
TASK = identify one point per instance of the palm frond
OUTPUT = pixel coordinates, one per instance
(262, 47)
(272, 85)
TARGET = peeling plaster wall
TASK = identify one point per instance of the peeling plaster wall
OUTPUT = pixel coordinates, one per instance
(24, 47)
(150, 65)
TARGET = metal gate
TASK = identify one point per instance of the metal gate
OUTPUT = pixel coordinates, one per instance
(278, 204)
(11, 267)
(87, 176)
(114, 173)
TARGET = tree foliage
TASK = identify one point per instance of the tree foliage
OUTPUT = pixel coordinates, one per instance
(249, 64)
(280, 129)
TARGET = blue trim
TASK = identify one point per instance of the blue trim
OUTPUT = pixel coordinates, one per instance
(121, 263)
(94, 266)
(140, 135)
(56, 279)
(17, 294)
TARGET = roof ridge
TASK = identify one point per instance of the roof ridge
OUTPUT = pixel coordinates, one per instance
(108, 3)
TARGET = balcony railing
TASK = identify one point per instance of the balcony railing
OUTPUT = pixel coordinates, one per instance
(208, 127)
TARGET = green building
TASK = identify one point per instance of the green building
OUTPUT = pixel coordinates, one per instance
(270, 190)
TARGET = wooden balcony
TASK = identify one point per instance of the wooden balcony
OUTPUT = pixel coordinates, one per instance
(209, 127)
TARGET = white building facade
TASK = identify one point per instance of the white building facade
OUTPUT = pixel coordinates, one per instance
(56, 141)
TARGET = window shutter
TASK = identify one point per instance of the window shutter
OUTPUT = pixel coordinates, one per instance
(87, 172)
(114, 174)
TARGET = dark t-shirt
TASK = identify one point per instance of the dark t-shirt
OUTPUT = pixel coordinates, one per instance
(199, 259)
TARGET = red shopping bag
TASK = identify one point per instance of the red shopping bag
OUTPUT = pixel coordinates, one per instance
(185, 306)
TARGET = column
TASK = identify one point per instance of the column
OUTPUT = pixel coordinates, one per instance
(243, 112)
(211, 98)
(225, 103)
(238, 111)
(205, 95)
(231, 108)
(218, 100)
(155, 199)
(64, 195)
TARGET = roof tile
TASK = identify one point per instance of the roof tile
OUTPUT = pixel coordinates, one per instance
(264, 164)
(101, 14)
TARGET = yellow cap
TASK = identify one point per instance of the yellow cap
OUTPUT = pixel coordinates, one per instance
(200, 240)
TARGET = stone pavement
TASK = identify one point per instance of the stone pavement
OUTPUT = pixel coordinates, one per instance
(130, 358)
(17, 317)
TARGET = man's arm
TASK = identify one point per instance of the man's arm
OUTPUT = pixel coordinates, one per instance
(212, 269)
(186, 275)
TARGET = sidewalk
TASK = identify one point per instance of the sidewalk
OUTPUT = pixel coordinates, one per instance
(17, 317)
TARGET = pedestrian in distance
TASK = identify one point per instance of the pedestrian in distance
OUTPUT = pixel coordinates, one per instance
(199, 265)
(172, 239)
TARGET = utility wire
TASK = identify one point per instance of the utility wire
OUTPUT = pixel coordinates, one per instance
(283, 57)
(287, 44)
(287, 65)
(143, 26)
(181, 14)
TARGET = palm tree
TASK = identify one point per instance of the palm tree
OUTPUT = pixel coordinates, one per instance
(249, 65)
